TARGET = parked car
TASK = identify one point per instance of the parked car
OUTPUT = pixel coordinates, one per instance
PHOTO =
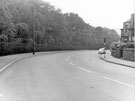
(102, 51)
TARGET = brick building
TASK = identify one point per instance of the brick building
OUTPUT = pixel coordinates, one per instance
(128, 31)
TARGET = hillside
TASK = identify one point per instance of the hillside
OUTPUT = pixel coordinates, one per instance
(20, 20)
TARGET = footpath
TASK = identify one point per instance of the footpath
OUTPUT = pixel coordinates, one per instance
(111, 59)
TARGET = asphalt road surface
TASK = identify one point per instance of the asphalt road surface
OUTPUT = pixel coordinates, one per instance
(66, 76)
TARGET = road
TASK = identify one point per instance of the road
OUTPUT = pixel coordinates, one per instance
(66, 76)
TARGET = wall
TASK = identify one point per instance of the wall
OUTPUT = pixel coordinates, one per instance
(128, 30)
(117, 52)
(129, 54)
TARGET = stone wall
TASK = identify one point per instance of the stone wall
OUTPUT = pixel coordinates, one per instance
(117, 52)
(129, 54)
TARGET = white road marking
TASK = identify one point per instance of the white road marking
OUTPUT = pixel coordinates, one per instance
(68, 58)
(71, 63)
(78, 67)
(118, 81)
(85, 70)
(8, 65)
(102, 76)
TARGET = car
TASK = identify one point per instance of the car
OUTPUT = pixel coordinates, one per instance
(102, 51)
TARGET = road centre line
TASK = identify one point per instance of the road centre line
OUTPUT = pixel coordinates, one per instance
(71, 63)
(68, 58)
(109, 78)
(118, 81)
(78, 67)
(85, 70)
(102, 76)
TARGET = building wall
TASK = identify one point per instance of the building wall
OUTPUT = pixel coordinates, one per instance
(128, 31)
(133, 26)
(129, 54)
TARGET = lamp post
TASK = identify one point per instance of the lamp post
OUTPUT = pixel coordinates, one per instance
(105, 42)
(33, 31)
(104, 45)
(33, 34)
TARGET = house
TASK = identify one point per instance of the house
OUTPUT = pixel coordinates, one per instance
(128, 31)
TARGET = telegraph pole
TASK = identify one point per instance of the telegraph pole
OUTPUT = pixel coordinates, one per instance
(33, 34)
(104, 45)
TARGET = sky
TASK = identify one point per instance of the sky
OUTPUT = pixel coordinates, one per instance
(105, 13)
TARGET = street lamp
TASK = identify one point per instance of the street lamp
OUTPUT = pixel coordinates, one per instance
(33, 34)
(105, 42)
(33, 31)
(104, 45)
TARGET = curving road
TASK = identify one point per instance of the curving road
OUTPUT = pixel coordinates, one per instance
(66, 76)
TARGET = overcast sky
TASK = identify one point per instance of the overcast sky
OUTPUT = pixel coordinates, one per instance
(105, 13)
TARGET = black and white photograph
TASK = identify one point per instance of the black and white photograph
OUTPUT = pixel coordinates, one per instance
(67, 50)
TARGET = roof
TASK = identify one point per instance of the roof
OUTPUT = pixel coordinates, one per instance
(127, 21)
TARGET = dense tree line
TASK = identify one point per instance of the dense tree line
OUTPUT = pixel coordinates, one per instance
(18, 18)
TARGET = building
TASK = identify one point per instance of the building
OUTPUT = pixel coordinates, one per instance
(128, 31)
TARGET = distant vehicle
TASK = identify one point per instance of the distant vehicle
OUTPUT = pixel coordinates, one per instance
(102, 51)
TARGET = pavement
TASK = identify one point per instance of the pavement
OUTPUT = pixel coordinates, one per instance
(111, 59)
(66, 76)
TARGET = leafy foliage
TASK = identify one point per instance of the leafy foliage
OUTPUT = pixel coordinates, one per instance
(3, 38)
(17, 18)
(22, 30)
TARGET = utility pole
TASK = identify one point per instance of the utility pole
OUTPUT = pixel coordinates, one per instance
(33, 34)
(133, 31)
(105, 42)
(104, 46)
(33, 25)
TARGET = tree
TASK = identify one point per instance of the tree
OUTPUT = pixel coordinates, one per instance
(6, 25)
(22, 30)
(3, 38)
(17, 18)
